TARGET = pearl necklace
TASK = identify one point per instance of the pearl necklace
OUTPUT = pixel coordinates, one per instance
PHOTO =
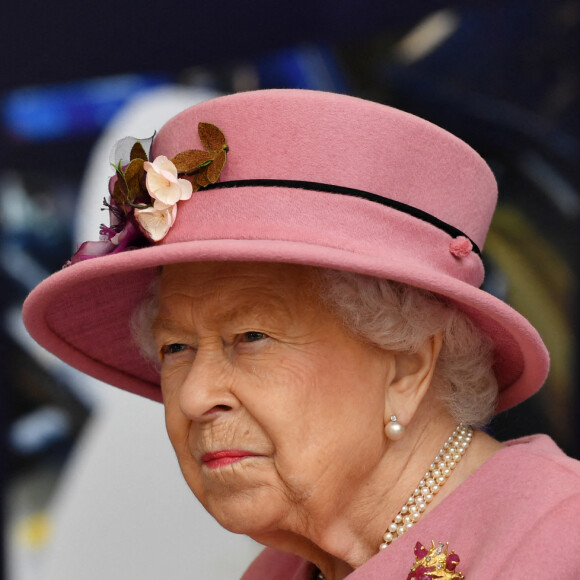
(439, 471)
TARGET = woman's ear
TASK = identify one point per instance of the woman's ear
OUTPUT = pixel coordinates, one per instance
(410, 380)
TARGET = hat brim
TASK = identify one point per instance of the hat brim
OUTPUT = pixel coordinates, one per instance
(82, 313)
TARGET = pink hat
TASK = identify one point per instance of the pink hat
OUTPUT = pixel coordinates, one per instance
(311, 178)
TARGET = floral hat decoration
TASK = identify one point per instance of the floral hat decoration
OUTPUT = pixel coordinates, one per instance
(311, 178)
(144, 195)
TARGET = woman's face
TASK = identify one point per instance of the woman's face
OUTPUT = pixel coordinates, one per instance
(276, 413)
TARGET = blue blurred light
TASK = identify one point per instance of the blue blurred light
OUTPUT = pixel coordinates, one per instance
(58, 111)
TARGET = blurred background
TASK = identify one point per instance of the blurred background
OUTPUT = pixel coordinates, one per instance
(89, 484)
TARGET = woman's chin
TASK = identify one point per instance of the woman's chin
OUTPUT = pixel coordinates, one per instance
(253, 523)
(252, 512)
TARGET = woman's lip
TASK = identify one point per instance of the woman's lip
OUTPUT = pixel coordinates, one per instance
(215, 459)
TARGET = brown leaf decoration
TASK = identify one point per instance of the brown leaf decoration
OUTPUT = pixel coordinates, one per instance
(137, 152)
(119, 192)
(201, 178)
(214, 170)
(191, 160)
(202, 168)
(211, 137)
(133, 178)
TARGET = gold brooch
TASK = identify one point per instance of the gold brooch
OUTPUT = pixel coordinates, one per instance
(435, 562)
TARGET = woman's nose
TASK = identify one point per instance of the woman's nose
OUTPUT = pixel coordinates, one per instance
(206, 392)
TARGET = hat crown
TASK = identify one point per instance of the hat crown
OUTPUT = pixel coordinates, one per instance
(344, 141)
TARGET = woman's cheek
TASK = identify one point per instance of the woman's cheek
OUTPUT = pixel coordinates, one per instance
(279, 373)
(173, 375)
(177, 424)
(280, 394)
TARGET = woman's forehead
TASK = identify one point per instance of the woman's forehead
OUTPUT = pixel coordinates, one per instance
(229, 287)
(200, 275)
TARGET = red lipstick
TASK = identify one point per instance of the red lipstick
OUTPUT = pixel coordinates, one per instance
(216, 459)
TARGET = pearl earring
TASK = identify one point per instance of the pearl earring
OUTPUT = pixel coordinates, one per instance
(393, 429)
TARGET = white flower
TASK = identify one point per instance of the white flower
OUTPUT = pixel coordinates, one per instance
(163, 184)
(155, 222)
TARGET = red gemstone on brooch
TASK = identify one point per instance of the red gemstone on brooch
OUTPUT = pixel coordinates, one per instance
(435, 562)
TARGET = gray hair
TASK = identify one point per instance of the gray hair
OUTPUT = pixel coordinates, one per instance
(400, 317)
(392, 316)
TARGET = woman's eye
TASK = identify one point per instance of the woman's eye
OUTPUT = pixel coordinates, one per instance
(173, 348)
(253, 336)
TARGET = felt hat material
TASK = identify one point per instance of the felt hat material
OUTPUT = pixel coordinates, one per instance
(311, 178)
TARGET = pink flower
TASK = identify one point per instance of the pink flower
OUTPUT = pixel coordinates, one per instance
(144, 195)
(127, 236)
(89, 250)
(123, 234)
(163, 184)
(155, 222)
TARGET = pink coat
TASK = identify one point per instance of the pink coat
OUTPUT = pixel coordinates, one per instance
(517, 517)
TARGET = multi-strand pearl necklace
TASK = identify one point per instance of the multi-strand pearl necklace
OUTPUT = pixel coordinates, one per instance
(439, 471)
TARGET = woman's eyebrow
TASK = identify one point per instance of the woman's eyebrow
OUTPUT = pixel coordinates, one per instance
(271, 309)
(163, 324)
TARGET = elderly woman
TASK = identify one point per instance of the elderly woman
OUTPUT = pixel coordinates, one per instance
(295, 276)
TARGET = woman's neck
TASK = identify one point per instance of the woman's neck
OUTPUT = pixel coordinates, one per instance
(342, 536)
